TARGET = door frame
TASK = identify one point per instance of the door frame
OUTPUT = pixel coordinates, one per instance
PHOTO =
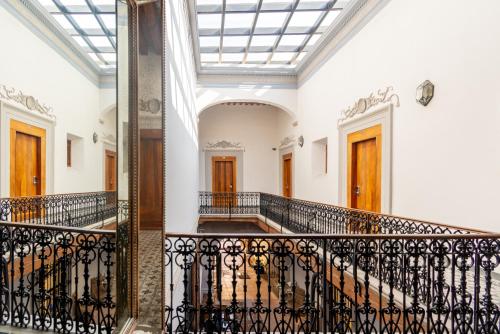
(235, 170)
(373, 132)
(381, 116)
(113, 153)
(287, 156)
(20, 126)
(9, 111)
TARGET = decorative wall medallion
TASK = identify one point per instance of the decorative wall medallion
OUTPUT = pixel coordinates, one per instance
(223, 145)
(287, 141)
(365, 103)
(152, 106)
(28, 101)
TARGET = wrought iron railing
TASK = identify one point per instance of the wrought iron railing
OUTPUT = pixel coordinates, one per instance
(74, 210)
(301, 216)
(229, 203)
(57, 279)
(330, 283)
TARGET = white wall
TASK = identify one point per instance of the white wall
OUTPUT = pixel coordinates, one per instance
(255, 128)
(181, 133)
(446, 156)
(32, 66)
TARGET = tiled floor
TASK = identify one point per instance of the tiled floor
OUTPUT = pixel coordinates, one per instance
(150, 268)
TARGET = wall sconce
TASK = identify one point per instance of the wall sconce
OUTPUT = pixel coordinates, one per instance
(95, 137)
(425, 92)
(301, 141)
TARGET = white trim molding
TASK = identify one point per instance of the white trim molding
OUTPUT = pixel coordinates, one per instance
(382, 116)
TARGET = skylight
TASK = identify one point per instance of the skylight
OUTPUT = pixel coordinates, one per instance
(264, 34)
(91, 24)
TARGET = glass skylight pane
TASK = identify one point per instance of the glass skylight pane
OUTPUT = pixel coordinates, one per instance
(109, 21)
(94, 57)
(49, 5)
(209, 41)
(209, 21)
(292, 40)
(104, 5)
(100, 41)
(209, 57)
(330, 17)
(312, 4)
(304, 19)
(86, 21)
(232, 57)
(313, 40)
(271, 20)
(235, 41)
(301, 56)
(283, 56)
(63, 21)
(268, 40)
(109, 57)
(341, 4)
(81, 41)
(276, 5)
(75, 5)
(257, 56)
(239, 20)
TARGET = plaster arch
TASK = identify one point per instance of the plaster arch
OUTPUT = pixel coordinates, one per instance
(284, 99)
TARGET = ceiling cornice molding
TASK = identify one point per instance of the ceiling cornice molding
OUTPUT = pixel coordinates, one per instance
(255, 81)
(31, 15)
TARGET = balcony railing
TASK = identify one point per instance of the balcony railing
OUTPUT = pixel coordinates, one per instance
(338, 283)
(57, 279)
(74, 210)
(301, 216)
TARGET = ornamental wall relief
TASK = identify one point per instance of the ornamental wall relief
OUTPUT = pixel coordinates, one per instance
(27, 101)
(223, 145)
(386, 95)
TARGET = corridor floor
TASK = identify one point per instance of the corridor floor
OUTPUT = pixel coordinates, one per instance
(150, 269)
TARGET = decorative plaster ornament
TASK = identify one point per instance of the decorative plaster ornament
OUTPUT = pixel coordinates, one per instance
(28, 101)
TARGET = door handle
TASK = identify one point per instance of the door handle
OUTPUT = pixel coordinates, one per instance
(357, 190)
(35, 180)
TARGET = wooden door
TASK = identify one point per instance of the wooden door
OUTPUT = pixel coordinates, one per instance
(151, 180)
(364, 169)
(287, 175)
(223, 181)
(27, 159)
(110, 171)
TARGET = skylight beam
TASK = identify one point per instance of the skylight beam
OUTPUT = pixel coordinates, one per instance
(315, 29)
(277, 42)
(78, 29)
(101, 23)
(221, 43)
(252, 31)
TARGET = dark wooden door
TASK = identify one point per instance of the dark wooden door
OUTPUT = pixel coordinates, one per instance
(287, 175)
(110, 171)
(223, 180)
(364, 170)
(27, 160)
(151, 180)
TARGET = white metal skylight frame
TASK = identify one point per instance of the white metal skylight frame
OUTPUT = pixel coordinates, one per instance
(91, 24)
(284, 30)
